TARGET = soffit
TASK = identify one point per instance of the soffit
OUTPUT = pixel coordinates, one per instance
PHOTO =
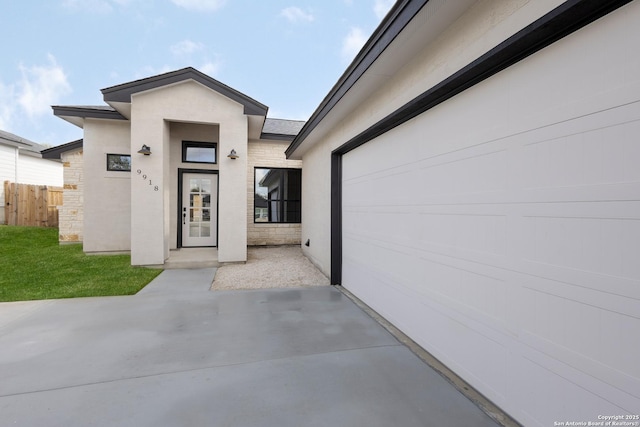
(76, 114)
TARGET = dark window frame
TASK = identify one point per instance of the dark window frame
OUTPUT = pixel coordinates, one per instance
(196, 144)
(109, 169)
(281, 201)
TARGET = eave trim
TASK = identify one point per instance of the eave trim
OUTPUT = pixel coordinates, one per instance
(277, 136)
(55, 152)
(555, 25)
(123, 92)
(395, 21)
(70, 111)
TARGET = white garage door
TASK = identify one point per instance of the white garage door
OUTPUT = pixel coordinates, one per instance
(501, 229)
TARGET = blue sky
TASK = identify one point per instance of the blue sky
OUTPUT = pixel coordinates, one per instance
(285, 54)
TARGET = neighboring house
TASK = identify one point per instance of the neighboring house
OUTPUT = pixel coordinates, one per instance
(474, 176)
(171, 163)
(22, 163)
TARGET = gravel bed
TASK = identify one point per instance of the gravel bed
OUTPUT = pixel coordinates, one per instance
(270, 267)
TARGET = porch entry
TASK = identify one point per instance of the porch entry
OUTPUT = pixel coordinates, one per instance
(198, 209)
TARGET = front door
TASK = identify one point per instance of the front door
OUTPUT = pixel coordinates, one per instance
(199, 209)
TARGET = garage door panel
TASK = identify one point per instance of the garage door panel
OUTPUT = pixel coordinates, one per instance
(463, 173)
(474, 343)
(479, 293)
(580, 393)
(580, 369)
(586, 244)
(510, 225)
(581, 287)
(598, 156)
(469, 233)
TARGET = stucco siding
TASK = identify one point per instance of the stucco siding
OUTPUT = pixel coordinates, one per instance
(268, 154)
(107, 194)
(151, 114)
(316, 206)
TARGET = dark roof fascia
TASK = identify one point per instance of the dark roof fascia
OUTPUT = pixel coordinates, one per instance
(555, 25)
(123, 92)
(84, 112)
(394, 22)
(277, 136)
(55, 152)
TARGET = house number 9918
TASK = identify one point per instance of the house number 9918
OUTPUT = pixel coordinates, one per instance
(144, 176)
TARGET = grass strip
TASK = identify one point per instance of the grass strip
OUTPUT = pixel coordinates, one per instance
(34, 266)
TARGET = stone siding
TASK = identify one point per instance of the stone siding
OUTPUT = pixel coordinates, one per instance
(268, 154)
(70, 214)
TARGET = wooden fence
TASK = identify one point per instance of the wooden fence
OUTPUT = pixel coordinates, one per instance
(31, 205)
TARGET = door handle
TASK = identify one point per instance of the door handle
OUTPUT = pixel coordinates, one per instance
(184, 218)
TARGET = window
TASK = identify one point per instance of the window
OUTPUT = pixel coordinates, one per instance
(119, 162)
(277, 195)
(198, 152)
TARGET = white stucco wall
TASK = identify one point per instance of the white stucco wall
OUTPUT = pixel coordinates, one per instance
(107, 194)
(151, 113)
(316, 206)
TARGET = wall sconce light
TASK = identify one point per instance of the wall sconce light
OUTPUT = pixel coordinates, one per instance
(233, 155)
(146, 150)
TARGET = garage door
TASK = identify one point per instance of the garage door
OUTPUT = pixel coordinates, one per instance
(501, 229)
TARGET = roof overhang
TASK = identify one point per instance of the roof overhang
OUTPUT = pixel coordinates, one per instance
(77, 114)
(276, 136)
(120, 95)
(406, 29)
(55, 152)
(409, 26)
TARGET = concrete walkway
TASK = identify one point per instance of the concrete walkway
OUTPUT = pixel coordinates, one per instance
(177, 354)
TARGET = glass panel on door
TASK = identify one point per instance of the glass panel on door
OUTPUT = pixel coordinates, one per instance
(199, 206)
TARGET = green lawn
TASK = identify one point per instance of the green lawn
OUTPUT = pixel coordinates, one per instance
(34, 266)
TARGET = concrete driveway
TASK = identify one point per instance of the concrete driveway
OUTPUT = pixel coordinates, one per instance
(178, 354)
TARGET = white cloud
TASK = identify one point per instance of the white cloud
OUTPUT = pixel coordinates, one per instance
(381, 7)
(200, 5)
(41, 87)
(186, 47)
(352, 43)
(7, 106)
(210, 68)
(295, 14)
(149, 71)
